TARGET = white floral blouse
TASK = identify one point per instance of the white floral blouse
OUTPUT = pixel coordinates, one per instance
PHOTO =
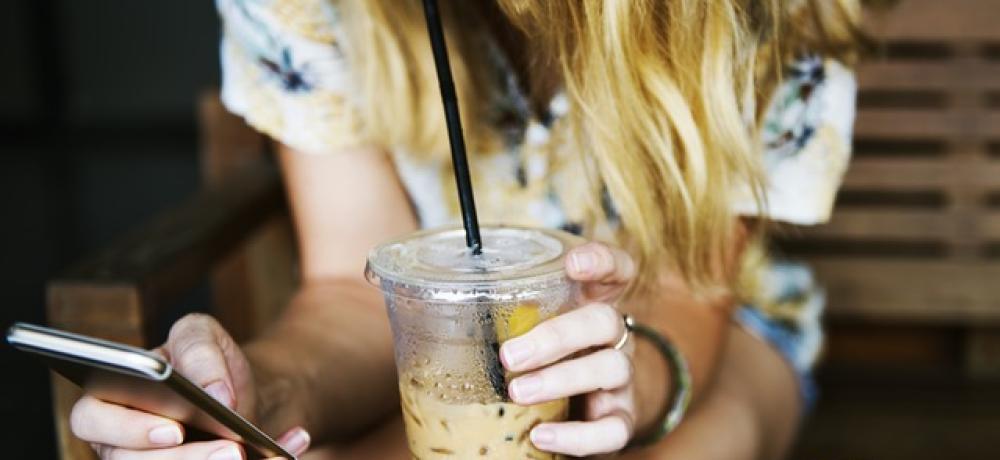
(284, 72)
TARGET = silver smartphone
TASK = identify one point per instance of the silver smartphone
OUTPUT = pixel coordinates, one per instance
(142, 380)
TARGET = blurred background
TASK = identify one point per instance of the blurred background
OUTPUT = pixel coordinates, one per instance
(128, 203)
(97, 134)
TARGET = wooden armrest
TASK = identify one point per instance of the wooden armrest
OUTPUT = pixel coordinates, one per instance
(114, 293)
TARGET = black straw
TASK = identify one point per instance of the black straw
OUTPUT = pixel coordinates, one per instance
(453, 120)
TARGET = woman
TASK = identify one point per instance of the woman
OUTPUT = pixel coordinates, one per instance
(665, 131)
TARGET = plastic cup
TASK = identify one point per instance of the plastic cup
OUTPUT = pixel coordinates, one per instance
(450, 311)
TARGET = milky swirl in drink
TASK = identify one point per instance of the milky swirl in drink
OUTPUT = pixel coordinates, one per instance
(438, 428)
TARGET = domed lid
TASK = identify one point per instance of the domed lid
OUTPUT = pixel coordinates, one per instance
(436, 264)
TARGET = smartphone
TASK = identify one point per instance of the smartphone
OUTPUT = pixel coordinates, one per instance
(140, 379)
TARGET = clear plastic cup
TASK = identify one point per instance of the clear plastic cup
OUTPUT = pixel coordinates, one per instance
(450, 311)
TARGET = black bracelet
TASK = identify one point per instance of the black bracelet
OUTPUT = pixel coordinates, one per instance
(680, 379)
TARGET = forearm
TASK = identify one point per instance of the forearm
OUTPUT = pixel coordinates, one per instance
(327, 363)
(314, 369)
(750, 412)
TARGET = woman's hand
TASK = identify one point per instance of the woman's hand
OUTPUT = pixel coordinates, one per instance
(603, 373)
(201, 350)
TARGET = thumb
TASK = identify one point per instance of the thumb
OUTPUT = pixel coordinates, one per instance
(195, 348)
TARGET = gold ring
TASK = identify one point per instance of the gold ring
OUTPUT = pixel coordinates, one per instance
(629, 323)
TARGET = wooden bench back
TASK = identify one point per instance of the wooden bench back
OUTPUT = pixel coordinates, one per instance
(916, 233)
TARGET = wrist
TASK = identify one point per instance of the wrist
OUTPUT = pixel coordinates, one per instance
(277, 387)
(671, 414)
(652, 386)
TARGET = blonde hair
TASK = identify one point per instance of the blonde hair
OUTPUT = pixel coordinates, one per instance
(663, 95)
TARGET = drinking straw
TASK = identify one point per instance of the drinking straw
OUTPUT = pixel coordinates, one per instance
(460, 163)
(454, 122)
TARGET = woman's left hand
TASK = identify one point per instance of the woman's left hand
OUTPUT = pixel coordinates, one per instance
(603, 374)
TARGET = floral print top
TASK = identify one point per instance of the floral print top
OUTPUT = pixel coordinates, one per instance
(285, 73)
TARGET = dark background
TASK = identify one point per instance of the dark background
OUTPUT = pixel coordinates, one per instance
(97, 133)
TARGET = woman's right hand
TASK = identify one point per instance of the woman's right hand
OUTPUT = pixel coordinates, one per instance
(201, 350)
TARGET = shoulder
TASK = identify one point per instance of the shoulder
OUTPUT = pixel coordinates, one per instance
(283, 70)
(806, 141)
(315, 20)
(296, 41)
(815, 93)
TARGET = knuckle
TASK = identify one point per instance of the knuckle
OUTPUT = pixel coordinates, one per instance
(604, 255)
(606, 320)
(196, 353)
(620, 368)
(190, 323)
(602, 403)
(552, 334)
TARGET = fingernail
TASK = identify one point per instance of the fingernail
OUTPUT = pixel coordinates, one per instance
(523, 388)
(296, 441)
(516, 351)
(220, 391)
(583, 262)
(226, 453)
(166, 435)
(542, 436)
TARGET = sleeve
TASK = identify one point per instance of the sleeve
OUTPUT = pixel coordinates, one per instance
(806, 132)
(785, 312)
(284, 73)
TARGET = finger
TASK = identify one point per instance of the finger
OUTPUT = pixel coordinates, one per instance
(214, 450)
(600, 404)
(296, 440)
(603, 370)
(593, 325)
(96, 421)
(599, 262)
(196, 352)
(579, 439)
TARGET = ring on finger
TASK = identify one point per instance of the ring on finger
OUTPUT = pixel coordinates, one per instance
(627, 333)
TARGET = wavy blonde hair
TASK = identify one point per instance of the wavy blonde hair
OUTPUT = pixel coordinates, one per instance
(664, 98)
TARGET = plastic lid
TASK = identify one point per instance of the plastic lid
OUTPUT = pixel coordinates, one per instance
(436, 264)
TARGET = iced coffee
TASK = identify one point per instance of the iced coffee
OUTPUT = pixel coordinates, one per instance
(450, 312)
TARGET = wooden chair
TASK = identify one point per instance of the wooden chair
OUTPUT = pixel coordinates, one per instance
(909, 260)
(916, 235)
(235, 232)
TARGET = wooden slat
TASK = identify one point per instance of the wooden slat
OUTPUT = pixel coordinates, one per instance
(907, 124)
(937, 19)
(982, 354)
(886, 224)
(112, 311)
(173, 252)
(911, 291)
(990, 124)
(946, 76)
(918, 174)
(989, 224)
